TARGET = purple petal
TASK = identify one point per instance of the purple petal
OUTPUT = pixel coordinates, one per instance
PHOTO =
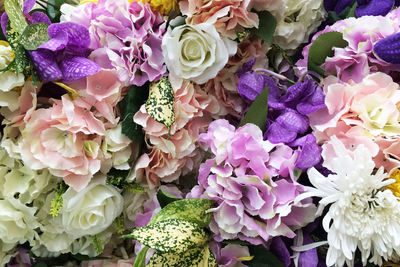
(78, 35)
(388, 49)
(46, 65)
(293, 121)
(310, 152)
(308, 258)
(39, 17)
(57, 43)
(250, 85)
(4, 21)
(28, 5)
(336, 5)
(279, 249)
(276, 133)
(313, 103)
(246, 67)
(374, 7)
(74, 68)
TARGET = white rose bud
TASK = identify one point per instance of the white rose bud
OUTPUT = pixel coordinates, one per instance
(195, 52)
(91, 210)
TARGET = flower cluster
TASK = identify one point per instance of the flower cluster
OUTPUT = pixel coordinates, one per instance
(200, 133)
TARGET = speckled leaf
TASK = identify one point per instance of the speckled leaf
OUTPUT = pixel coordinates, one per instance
(15, 15)
(165, 198)
(21, 59)
(160, 104)
(190, 209)
(171, 236)
(34, 35)
(140, 260)
(196, 257)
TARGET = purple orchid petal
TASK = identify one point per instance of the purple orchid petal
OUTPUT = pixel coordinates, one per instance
(4, 21)
(78, 35)
(388, 49)
(46, 65)
(308, 258)
(28, 5)
(74, 68)
(39, 17)
(293, 121)
(313, 103)
(374, 7)
(278, 247)
(248, 66)
(57, 43)
(276, 133)
(310, 152)
(250, 85)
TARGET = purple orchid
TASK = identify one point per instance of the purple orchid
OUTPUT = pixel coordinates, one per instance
(64, 56)
(374, 7)
(387, 49)
(287, 120)
(35, 17)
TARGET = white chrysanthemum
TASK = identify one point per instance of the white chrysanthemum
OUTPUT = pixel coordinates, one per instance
(362, 215)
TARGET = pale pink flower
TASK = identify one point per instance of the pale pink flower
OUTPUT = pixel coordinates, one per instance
(228, 16)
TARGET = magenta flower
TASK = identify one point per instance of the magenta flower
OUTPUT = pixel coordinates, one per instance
(252, 182)
(126, 37)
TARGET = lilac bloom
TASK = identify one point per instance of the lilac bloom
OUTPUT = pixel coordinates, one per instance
(64, 55)
(374, 7)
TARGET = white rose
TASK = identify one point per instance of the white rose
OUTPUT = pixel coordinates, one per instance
(8, 79)
(195, 52)
(91, 210)
(17, 222)
(299, 19)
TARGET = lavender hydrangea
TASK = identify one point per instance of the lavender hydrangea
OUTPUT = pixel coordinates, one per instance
(252, 182)
(126, 36)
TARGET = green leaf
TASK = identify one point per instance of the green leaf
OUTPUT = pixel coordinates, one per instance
(323, 48)
(34, 35)
(196, 257)
(164, 198)
(257, 113)
(131, 103)
(160, 104)
(190, 209)
(171, 236)
(15, 15)
(117, 177)
(53, 9)
(263, 258)
(140, 260)
(267, 26)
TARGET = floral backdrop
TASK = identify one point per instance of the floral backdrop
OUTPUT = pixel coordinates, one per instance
(260, 133)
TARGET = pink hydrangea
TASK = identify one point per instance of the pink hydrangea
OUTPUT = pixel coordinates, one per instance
(125, 36)
(253, 184)
(228, 16)
(170, 156)
(76, 138)
(357, 59)
(361, 113)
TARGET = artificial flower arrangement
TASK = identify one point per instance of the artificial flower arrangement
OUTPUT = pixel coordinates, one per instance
(200, 133)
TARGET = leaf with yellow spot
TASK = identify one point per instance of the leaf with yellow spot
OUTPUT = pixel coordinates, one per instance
(195, 257)
(170, 236)
(34, 35)
(15, 15)
(160, 104)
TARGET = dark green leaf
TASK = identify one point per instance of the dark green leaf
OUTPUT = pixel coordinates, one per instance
(15, 15)
(164, 198)
(53, 9)
(190, 209)
(140, 260)
(267, 26)
(257, 113)
(117, 177)
(323, 48)
(263, 258)
(170, 236)
(131, 103)
(39, 264)
(34, 35)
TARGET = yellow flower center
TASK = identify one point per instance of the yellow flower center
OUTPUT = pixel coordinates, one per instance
(395, 187)
(162, 6)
